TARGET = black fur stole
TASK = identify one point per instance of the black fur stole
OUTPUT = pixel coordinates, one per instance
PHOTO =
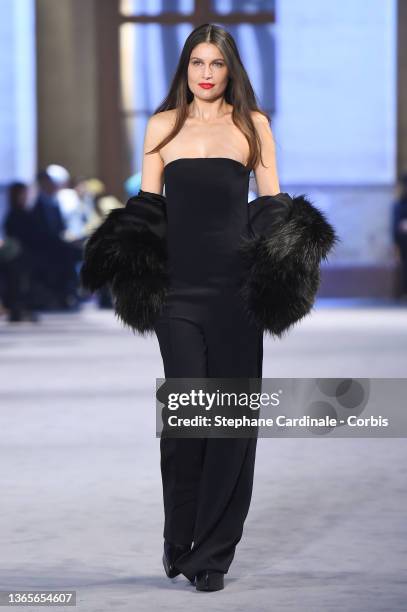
(282, 249)
(287, 239)
(128, 253)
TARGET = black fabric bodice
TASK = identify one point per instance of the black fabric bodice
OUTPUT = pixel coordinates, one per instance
(207, 213)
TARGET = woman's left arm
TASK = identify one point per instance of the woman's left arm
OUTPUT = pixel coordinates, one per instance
(267, 175)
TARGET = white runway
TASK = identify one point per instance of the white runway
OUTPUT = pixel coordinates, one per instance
(81, 498)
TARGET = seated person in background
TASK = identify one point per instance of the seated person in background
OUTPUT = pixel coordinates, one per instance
(17, 262)
(56, 256)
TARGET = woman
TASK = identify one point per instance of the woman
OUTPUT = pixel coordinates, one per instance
(209, 274)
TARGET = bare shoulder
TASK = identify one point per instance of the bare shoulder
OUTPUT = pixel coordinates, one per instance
(263, 129)
(259, 118)
(159, 123)
(157, 128)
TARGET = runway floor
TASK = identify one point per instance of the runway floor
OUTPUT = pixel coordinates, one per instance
(81, 497)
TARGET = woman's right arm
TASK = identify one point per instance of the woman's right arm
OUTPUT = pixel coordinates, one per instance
(153, 166)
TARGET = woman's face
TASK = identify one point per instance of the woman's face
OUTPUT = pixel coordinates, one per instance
(207, 66)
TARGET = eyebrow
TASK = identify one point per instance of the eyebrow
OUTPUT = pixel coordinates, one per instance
(217, 59)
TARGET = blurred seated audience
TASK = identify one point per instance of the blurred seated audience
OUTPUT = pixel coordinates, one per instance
(16, 262)
(56, 258)
(41, 248)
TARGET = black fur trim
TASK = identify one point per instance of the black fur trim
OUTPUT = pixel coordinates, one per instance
(287, 241)
(128, 252)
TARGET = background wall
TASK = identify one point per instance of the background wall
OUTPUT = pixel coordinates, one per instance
(336, 129)
(67, 84)
(336, 95)
(18, 129)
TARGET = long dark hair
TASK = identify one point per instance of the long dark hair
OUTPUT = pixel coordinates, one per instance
(239, 91)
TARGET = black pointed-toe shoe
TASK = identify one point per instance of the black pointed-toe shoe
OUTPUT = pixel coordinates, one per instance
(209, 580)
(171, 554)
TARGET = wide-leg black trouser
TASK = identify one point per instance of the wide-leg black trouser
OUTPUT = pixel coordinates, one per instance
(207, 482)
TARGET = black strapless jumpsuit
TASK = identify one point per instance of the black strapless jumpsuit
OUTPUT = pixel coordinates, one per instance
(203, 331)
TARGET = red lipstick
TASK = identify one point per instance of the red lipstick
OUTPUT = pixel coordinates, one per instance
(206, 85)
